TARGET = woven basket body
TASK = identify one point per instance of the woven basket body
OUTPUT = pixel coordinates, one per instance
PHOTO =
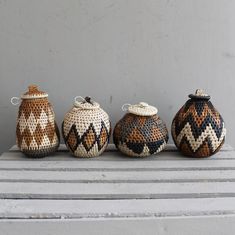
(140, 136)
(198, 129)
(37, 133)
(86, 130)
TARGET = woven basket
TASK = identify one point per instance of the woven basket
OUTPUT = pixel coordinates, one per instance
(37, 134)
(198, 129)
(86, 128)
(140, 132)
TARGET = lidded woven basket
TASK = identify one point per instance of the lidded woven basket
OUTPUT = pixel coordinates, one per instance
(140, 132)
(86, 128)
(37, 134)
(198, 129)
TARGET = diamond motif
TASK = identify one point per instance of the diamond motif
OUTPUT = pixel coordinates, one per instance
(22, 123)
(48, 131)
(89, 138)
(33, 144)
(50, 115)
(31, 123)
(37, 135)
(45, 141)
(27, 136)
(43, 119)
(89, 143)
(72, 139)
(103, 137)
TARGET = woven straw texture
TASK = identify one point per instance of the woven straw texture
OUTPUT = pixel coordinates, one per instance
(85, 130)
(141, 109)
(140, 136)
(198, 129)
(37, 133)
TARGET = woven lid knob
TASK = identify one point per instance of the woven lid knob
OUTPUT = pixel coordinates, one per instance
(34, 93)
(141, 109)
(143, 105)
(85, 103)
(33, 88)
(200, 94)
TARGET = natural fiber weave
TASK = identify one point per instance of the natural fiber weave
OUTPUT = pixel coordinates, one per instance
(37, 133)
(140, 135)
(198, 129)
(86, 129)
(141, 109)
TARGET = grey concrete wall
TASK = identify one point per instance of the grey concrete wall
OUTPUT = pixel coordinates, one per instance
(117, 51)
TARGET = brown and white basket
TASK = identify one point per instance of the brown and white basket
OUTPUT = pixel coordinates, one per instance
(140, 132)
(37, 134)
(198, 129)
(86, 128)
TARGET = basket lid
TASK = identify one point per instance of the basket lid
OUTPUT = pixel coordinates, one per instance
(85, 103)
(34, 93)
(199, 95)
(141, 109)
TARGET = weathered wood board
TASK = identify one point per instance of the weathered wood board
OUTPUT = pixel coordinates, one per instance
(113, 194)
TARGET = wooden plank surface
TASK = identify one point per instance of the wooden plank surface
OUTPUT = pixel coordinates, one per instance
(117, 176)
(73, 209)
(128, 164)
(193, 225)
(167, 191)
(101, 178)
(116, 190)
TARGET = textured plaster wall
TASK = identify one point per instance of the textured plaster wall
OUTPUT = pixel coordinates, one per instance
(117, 51)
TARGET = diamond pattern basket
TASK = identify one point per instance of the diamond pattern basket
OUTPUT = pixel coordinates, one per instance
(37, 133)
(86, 128)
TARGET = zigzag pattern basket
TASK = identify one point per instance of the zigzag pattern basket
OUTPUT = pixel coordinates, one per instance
(198, 129)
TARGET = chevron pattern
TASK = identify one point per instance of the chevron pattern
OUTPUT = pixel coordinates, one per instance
(198, 129)
(140, 136)
(36, 130)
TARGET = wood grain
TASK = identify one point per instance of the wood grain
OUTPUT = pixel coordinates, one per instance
(111, 193)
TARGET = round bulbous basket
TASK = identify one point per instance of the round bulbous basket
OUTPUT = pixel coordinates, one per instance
(86, 128)
(198, 129)
(140, 132)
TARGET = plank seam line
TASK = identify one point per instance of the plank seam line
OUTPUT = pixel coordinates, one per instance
(21, 196)
(120, 169)
(117, 181)
(116, 215)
